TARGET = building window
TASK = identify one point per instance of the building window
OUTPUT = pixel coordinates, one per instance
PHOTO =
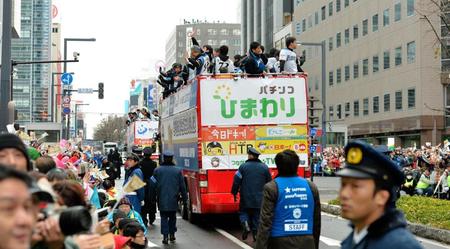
(365, 24)
(386, 60)
(212, 32)
(298, 28)
(347, 36)
(398, 56)
(410, 7)
(324, 13)
(330, 43)
(398, 100)
(375, 23)
(304, 25)
(366, 106)
(347, 109)
(223, 42)
(385, 17)
(387, 102)
(375, 64)
(376, 104)
(310, 21)
(338, 75)
(330, 8)
(365, 67)
(355, 32)
(356, 70)
(236, 32)
(411, 52)
(339, 111)
(224, 31)
(331, 112)
(411, 98)
(338, 5)
(397, 12)
(316, 18)
(347, 73)
(356, 108)
(346, 3)
(330, 78)
(316, 84)
(338, 40)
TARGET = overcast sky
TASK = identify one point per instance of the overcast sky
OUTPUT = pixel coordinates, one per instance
(131, 37)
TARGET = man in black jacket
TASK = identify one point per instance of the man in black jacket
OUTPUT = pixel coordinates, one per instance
(255, 62)
(147, 167)
(249, 181)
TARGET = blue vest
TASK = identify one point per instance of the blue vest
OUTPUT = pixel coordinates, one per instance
(294, 211)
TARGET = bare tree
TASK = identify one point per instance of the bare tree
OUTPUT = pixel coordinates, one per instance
(441, 30)
(111, 129)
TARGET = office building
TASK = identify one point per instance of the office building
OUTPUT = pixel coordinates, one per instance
(383, 72)
(261, 19)
(215, 34)
(31, 82)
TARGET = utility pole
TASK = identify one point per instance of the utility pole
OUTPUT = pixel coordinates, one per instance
(65, 70)
(6, 85)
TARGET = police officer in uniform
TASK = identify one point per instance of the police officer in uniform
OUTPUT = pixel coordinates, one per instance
(168, 183)
(290, 213)
(368, 194)
(249, 180)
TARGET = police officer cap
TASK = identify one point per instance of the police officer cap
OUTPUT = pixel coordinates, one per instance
(383, 149)
(147, 151)
(133, 156)
(253, 151)
(364, 162)
(168, 153)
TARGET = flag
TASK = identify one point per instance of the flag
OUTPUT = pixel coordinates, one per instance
(133, 184)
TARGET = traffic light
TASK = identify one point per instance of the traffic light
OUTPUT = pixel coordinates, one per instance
(313, 114)
(101, 90)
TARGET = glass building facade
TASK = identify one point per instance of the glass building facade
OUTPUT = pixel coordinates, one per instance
(31, 83)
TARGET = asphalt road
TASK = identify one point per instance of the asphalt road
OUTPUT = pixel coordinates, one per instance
(223, 231)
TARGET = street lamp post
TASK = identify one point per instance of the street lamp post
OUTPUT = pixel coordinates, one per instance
(324, 88)
(65, 69)
(76, 116)
(6, 85)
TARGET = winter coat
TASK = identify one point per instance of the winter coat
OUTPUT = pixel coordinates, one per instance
(168, 184)
(389, 231)
(249, 180)
(135, 199)
(264, 239)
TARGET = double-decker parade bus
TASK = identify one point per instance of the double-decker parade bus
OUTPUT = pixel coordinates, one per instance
(210, 123)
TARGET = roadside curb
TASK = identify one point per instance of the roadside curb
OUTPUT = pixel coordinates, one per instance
(423, 231)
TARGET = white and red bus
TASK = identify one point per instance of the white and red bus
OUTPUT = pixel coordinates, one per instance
(210, 124)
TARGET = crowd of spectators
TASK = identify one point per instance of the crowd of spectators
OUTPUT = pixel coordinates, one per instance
(426, 169)
(63, 197)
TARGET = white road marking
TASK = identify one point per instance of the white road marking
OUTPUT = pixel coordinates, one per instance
(330, 242)
(233, 239)
(150, 244)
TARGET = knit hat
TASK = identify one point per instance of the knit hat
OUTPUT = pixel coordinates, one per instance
(124, 201)
(8, 140)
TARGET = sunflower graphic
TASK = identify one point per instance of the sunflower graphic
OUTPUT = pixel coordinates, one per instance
(222, 92)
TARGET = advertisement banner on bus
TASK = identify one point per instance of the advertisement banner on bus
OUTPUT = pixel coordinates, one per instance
(185, 99)
(254, 101)
(281, 132)
(228, 133)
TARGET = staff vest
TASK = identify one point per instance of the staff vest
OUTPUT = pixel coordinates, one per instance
(294, 211)
(422, 185)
